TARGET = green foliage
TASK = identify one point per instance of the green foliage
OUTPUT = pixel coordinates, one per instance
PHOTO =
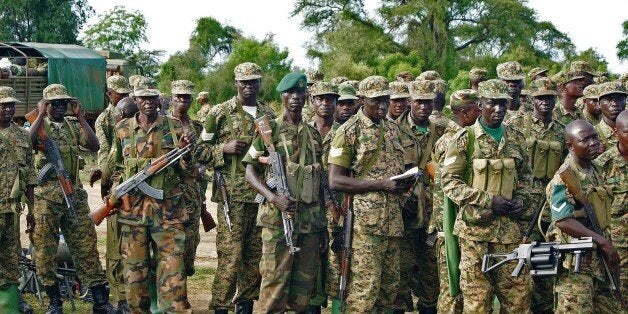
(47, 21)
(597, 61)
(622, 45)
(212, 38)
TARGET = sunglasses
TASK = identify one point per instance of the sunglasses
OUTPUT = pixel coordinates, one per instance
(60, 102)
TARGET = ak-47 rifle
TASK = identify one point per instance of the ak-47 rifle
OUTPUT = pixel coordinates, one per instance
(220, 181)
(330, 199)
(138, 183)
(572, 182)
(50, 148)
(345, 255)
(277, 177)
(206, 217)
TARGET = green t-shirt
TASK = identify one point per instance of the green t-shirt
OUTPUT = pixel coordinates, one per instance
(496, 133)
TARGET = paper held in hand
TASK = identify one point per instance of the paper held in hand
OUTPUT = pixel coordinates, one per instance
(410, 173)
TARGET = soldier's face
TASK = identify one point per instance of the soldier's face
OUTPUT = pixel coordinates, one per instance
(376, 108)
(469, 113)
(593, 106)
(324, 105)
(612, 105)
(493, 111)
(621, 131)
(114, 96)
(7, 110)
(421, 109)
(574, 88)
(293, 99)
(148, 105)
(584, 142)
(514, 87)
(57, 109)
(248, 89)
(544, 104)
(397, 107)
(345, 109)
(181, 102)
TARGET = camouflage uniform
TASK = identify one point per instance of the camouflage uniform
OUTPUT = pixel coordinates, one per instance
(149, 220)
(560, 113)
(590, 92)
(202, 113)
(378, 225)
(479, 230)
(586, 291)
(313, 76)
(239, 251)
(606, 134)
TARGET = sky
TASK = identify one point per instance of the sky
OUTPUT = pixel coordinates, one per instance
(170, 23)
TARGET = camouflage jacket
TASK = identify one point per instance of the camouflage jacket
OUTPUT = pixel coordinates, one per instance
(475, 220)
(606, 134)
(355, 147)
(17, 168)
(564, 116)
(590, 118)
(201, 114)
(104, 126)
(615, 173)
(227, 122)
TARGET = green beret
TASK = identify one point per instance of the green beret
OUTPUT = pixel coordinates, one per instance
(292, 80)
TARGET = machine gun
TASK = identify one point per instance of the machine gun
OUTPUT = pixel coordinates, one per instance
(220, 181)
(277, 177)
(138, 182)
(543, 258)
(345, 255)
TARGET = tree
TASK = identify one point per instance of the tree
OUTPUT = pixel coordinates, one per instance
(48, 21)
(213, 39)
(622, 45)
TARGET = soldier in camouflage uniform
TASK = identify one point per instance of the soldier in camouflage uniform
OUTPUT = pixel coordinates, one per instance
(486, 173)
(477, 75)
(537, 73)
(228, 131)
(570, 87)
(429, 75)
(399, 100)
(614, 166)
(288, 278)
(149, 221)
(338, 80)
(405, 77)
(586, 291)
(584, 68)
(19, 179)
(512, 74)
(368, 146)
(591, 112)
(612, 100)
(465, 110)
(51, 211)
(313, 76)
(203, 101)
(437, 116)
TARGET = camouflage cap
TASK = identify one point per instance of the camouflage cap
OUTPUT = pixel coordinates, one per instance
(590, 91)
(542, 86)
(133, 80)
(580, 67)
(536, 71)
(144, 88)
(623, 78)
(339, 79)
(399, 90)
(564, 77)
(493, 88)
(7, 95)
(510, 71)
(356, 86)
(119, 84)
(323, 88)
(346, 91)
(462, 97)
(405, 76)
(428, 75)
(524, 92)
(202, 95)
(56, 91)
(440, 86)
(247, 71)
(478, 74)
(292, 80)
(614, 87)
(374, 86)
(314, 76)
(422, 89)
(182, 87)
(600, 79)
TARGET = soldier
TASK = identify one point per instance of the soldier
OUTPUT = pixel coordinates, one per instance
(537, 73)
(20, 178)
(404, 76)
(368, 146)
(614, 165)
(313, 76)
(465, 110)
(490, 198)
(289, 277)
(612, 100)
(570, 87)
(203, 102)
(228, 132)
(399, 98)
(437, 116)
(149, 221)
(592, 112)
(126, 108)
(584, 68)
(117, 89)
(338, 80)
(51, 211)
(477, 75)
(587, 290)
(429, 75)
(512, 74)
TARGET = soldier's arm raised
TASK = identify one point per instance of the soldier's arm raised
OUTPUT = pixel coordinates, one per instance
(90, 141)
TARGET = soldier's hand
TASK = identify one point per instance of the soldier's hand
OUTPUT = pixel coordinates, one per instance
(502, 206)
(234, 147)
(76, 106)
(187, 138)
(609, 252)
(517, 208)
(396, 186)
(42, 107)
(323, 245)
(30, 223)
(286, 204)
(94, 176)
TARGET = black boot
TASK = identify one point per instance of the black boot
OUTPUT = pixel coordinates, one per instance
(244, 307)
(25, 308)
(56, 303)
(100, 294)
(123, 307)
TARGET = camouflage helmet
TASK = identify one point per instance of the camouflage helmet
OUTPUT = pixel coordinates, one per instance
(346, 91)
(323, 88)
(247, 71)
(461, 97)
(118, 84)
(563, 77)
(510, 71)
(182, 87)
(399, 90)
(339, 79)
(478, 74)
(313, 76)
(202, 95)
(542, 86)
(614, 87)
(494, 88)
(580, 67)
(7, 95)
(590, 92)
(405, 76)
(440, 86)
(144, 88)
(429, 75)
(536, 71)
(374, 86)
(56, 91)
(422, 89)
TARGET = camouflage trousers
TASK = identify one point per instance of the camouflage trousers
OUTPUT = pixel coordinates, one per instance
(193, 202)
(479, 289)
(114, 267)
(332, 271)
(623, 275)
(239, 251)
(287, 280)
(9, 249)
(375, 273)
(427, 274)
(583, 293)
(79, 234)
(446, 303)
(170, 280)
(409, 267)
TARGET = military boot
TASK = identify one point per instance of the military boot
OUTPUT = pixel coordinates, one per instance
(25, 308)
(56, 302)
(101, 305)
(244, 307)
(9, 299)
(123, 307)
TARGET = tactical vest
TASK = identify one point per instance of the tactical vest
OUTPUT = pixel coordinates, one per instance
(545, 156)
(72, 162)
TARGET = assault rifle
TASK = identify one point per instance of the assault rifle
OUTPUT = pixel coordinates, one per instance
(345, 255)
(138, 182)
(220, 181)
(50, 148)
(543, 258)
(330, 199)
(277, 177)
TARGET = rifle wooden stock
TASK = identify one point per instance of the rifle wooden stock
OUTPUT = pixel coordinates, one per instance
(104, 210)
(431, 168)
(207, 220)
(262, 125)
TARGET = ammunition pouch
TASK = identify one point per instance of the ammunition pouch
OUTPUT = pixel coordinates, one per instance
(310, 187)
(496, 176)
(546, 157)
(601, 199)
